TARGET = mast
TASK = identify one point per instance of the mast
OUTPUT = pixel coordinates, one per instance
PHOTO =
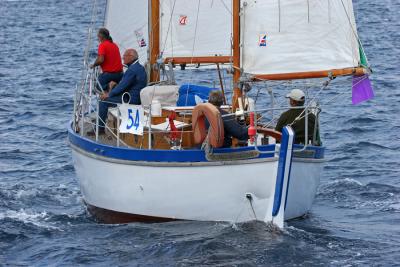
(236, 53)
(154, 39)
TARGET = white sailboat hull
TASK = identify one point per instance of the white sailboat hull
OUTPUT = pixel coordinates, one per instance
(304, 181)
(123, 184)
(204, 193)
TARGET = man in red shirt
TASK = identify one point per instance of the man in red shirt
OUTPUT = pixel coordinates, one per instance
(109, 59)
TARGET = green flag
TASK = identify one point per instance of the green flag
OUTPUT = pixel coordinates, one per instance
(363, 57)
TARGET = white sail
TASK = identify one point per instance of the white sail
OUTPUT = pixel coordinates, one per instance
(127, 22)
(195, 28)
(291, 36)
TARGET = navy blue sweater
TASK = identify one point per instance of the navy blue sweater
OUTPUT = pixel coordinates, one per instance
(133, 81)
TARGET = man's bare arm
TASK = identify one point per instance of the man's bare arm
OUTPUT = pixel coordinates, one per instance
(99, 60)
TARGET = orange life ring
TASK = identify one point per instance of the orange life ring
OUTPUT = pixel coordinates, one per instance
(216, 129)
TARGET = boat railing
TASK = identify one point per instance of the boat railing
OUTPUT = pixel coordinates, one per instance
(87, 103)
(316, 109)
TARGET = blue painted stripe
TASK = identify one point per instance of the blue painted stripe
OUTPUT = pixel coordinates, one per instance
(288, 183)
(319, 151)
(132, 154)
(280, 177)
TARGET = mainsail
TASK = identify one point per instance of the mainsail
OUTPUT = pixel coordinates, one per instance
(298, 36)
(199, 28)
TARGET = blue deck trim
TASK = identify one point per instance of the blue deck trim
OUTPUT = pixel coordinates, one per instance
(280, 177)
(193, 155)
(319, 151)
(132, 154)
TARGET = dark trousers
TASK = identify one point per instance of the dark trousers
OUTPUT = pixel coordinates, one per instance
(106, 77)
(104, 105)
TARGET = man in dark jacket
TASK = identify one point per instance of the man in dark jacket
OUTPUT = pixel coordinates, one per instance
(297, 99)
(133, 81)
(231, 127)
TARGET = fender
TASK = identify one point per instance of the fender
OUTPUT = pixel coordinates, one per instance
(216, 130)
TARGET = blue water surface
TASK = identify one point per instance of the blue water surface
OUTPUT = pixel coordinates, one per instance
(355, 220)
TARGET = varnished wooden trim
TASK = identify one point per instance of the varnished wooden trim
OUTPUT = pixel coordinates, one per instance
(312, 74)
(154, 39)
(236, 53)
(199, 60)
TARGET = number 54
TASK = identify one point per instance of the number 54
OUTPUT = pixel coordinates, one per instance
(133, 122)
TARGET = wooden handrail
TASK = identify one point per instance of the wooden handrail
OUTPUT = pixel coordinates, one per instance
(270, 132)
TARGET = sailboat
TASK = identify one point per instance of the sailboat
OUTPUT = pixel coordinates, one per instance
(166, 169)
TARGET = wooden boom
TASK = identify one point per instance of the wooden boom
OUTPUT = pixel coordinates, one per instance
(312, 74)
(199, 60)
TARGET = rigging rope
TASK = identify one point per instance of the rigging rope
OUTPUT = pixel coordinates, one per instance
(191, 72)
(354, 31)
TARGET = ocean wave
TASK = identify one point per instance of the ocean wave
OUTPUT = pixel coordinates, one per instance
(7, 121)
(362, 120)
(24, 115)
(395, 207)
(56, 135)
(344, 182)
(60, 195)
(353, 222)
(358, 146)
(340, 158)
(367, 144)
(350, 193)
(35, 218)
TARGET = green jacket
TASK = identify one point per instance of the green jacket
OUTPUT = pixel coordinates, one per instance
(299, 126)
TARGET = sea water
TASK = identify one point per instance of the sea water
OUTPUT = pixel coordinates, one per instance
(355, 220)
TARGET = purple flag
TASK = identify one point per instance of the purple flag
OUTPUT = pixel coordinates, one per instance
(362, 89)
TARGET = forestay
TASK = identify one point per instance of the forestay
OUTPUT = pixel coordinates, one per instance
(195, 28)
(127, 22)
(291, 36)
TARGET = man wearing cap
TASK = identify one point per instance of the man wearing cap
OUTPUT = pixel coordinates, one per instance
(296, 100)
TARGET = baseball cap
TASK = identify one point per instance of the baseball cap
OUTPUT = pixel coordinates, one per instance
(296, 94)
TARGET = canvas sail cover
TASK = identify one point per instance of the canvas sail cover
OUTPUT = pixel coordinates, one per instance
(292, 36)
(127, 21)
(195, 28)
